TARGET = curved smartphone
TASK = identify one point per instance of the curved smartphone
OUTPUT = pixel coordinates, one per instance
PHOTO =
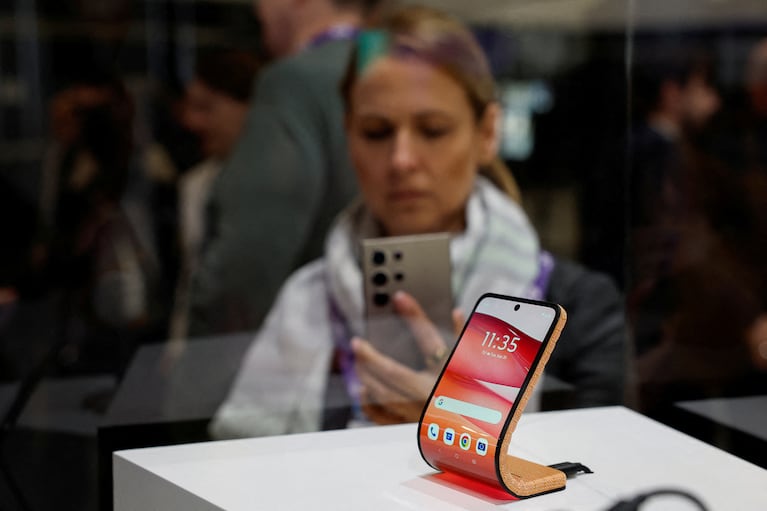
(474, 407)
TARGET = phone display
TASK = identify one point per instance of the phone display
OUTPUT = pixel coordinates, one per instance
(418, 265)
(485, 384)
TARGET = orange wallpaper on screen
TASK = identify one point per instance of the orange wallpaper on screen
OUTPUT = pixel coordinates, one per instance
(486, 370)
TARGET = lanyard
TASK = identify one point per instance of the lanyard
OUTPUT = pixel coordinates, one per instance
(540, 285)
(334, 33)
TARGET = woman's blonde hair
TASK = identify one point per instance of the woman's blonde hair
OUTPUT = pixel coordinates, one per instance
(444, 42)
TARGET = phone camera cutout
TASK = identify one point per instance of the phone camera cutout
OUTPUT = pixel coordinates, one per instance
(379, 257)
(381, 299)
(399, 277)
(516, 307)
(398, 255)
(380, 278)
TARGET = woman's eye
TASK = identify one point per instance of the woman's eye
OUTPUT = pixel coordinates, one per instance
(376, 133)
(434, 131)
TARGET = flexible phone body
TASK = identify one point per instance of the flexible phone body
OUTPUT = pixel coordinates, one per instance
(469, 418)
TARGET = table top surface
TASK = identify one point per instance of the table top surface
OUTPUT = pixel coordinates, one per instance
(746, 414)
(380, 468)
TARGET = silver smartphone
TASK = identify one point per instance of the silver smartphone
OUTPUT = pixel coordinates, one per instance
(419, 265)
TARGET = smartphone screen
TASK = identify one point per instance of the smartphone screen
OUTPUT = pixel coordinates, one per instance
(488, 370)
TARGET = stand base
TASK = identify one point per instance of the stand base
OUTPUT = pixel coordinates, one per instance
(525, 478)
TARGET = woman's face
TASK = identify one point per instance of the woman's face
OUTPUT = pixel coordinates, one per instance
(215, 117)
(416, 145)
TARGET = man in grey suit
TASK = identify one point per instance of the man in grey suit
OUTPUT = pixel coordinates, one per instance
(289, 174)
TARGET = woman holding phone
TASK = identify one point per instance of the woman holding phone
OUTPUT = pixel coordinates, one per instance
(422, 126)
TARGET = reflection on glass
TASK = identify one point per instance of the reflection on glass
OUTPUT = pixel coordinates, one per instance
(636, 129)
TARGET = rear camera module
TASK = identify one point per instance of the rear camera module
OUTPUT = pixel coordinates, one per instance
(379, 257)
(380, 278)
(381, 299)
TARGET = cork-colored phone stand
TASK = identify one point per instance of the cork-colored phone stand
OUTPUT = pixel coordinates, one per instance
(523, 478)
(519, 477)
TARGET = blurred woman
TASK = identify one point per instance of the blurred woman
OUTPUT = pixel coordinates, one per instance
(422, 129)
(215, 108)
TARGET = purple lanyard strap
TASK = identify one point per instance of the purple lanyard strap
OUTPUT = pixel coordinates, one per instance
(336, 33)
(540, 285)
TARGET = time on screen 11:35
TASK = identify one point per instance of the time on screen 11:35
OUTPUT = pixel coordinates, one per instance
(501, 342)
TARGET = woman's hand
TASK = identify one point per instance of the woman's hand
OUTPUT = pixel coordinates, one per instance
(392, 392)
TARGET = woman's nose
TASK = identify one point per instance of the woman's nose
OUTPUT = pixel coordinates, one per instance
(404, 154)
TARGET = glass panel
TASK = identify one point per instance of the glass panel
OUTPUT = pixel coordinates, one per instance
(635, 130)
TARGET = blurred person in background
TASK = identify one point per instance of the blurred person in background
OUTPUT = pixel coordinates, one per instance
(97, 252)
(289, 173)
(756, 89)
(422, 124)
(675, 100)
(17, 225)
(633, 195)
(709, 336)
(215, 108)
(756, 92)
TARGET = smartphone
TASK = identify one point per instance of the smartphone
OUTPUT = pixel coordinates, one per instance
(485, 384)
(420, 265)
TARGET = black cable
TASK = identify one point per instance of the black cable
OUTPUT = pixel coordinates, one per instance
(635, 503)
(571, 469)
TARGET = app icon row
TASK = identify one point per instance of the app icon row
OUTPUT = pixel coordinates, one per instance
(464, 441)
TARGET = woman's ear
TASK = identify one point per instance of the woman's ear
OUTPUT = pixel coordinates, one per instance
(489, 133)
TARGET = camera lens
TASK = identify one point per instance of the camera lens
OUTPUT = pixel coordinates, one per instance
(516, 307)
(380, 299)
(379, 257)
(380, 278)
